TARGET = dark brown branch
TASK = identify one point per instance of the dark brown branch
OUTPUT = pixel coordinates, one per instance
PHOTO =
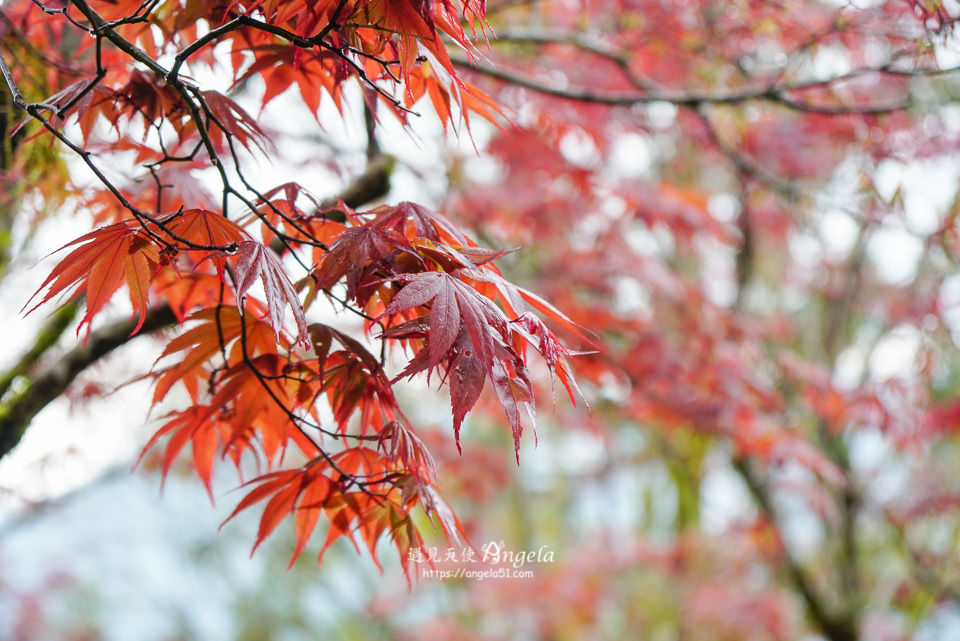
(834, 627)
(777, 94)
(39, 390)
(370, 185)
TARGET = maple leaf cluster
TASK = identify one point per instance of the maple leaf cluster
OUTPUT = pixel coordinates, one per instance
(258, 372)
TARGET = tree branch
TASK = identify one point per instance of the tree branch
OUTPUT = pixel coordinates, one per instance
(46, 338)
(834, 627)
(777, 94)
(594, 46)
(39, 390)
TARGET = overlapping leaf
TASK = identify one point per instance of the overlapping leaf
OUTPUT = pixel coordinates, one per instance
(102, 262)
(458, 311)
(367, 515)
(236, 122)
(253, 261)
(203, 229)
(215, 331)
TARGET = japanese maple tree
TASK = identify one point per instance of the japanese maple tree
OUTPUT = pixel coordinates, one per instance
(701, 190)
(240, 271)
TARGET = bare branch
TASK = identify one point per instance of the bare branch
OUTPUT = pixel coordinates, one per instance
(777, 94)
(835, 627)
